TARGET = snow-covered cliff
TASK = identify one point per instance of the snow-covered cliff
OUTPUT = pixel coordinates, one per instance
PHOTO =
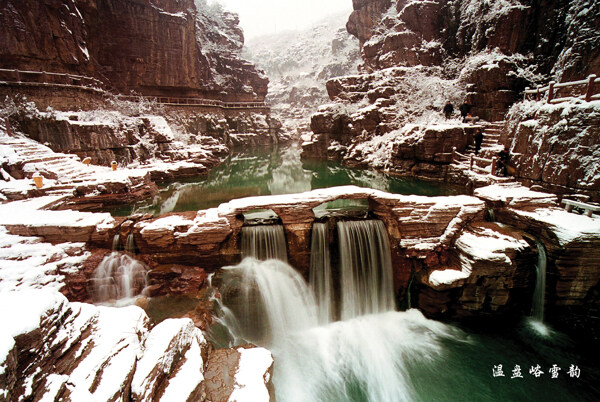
(299, 63)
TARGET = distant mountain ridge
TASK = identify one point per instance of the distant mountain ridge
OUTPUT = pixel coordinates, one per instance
(298, 65)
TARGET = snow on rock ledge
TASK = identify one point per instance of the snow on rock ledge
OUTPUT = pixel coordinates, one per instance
(51, 349)
(495, 268)
(242, 374)
(172, 363)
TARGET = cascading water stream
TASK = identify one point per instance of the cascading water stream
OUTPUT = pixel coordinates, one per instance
(264, 301)
(130, 244)
(264, 242)
(119, 276)
(366, 268)
(116, 242)
(537, 310)
(321, 279)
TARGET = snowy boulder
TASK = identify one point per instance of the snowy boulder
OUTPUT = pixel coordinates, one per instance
(494, 271)
(172, 364)
(67, 350)
(242, 374)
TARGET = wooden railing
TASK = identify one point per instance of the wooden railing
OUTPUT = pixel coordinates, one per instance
(587, 90)
(460, 159)
(44, 78)
(198, 102)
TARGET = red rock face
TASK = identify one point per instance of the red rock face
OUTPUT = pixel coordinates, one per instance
(152, 47)
(45, 35)
(554, 146)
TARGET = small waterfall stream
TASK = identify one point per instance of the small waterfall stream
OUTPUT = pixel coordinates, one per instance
(537, 309)
(321, 280)
(264, 242)
(130, 244)
(116, 242)
(119, 276)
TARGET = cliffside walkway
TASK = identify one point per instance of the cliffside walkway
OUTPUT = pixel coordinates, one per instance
(43, 79)
(201, 102)
(48, 79)
(588, 90)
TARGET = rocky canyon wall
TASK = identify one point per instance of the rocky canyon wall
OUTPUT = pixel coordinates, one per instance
(557, 146)
(482, 52)
(152, 47)
(298, 65)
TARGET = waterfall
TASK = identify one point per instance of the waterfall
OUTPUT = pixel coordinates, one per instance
(537, 310)
(367, 358)
(266, 300)
(366, 268)
(116, 242)
(264, 242)
(408, 291)
(130, 244)
(119, 276)
(321, 280)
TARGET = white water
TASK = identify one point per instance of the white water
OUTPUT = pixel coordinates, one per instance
(130, 244)
(119, 276)
(537, 310)
(264, 242)
(116, 242)
(266, 300)
(320, 275)
(366, 268)
(364, 358)
(367, 356)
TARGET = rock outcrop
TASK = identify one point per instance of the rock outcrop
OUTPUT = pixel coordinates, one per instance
(70, 351)
(556, 147)
(156, 48)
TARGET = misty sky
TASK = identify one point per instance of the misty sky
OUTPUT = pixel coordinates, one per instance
(259, 17)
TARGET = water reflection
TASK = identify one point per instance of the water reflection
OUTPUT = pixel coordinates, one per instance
(279, 171)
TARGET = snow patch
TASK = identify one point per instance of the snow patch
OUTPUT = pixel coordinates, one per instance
(252, 375)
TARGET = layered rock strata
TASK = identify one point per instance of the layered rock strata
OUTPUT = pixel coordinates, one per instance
(157, 48)
(63, 350)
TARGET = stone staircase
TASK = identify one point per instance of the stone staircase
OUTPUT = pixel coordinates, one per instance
(481, 164)
(492, 136)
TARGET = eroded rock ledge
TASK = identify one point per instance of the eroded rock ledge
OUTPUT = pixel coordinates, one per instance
(455, 262)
